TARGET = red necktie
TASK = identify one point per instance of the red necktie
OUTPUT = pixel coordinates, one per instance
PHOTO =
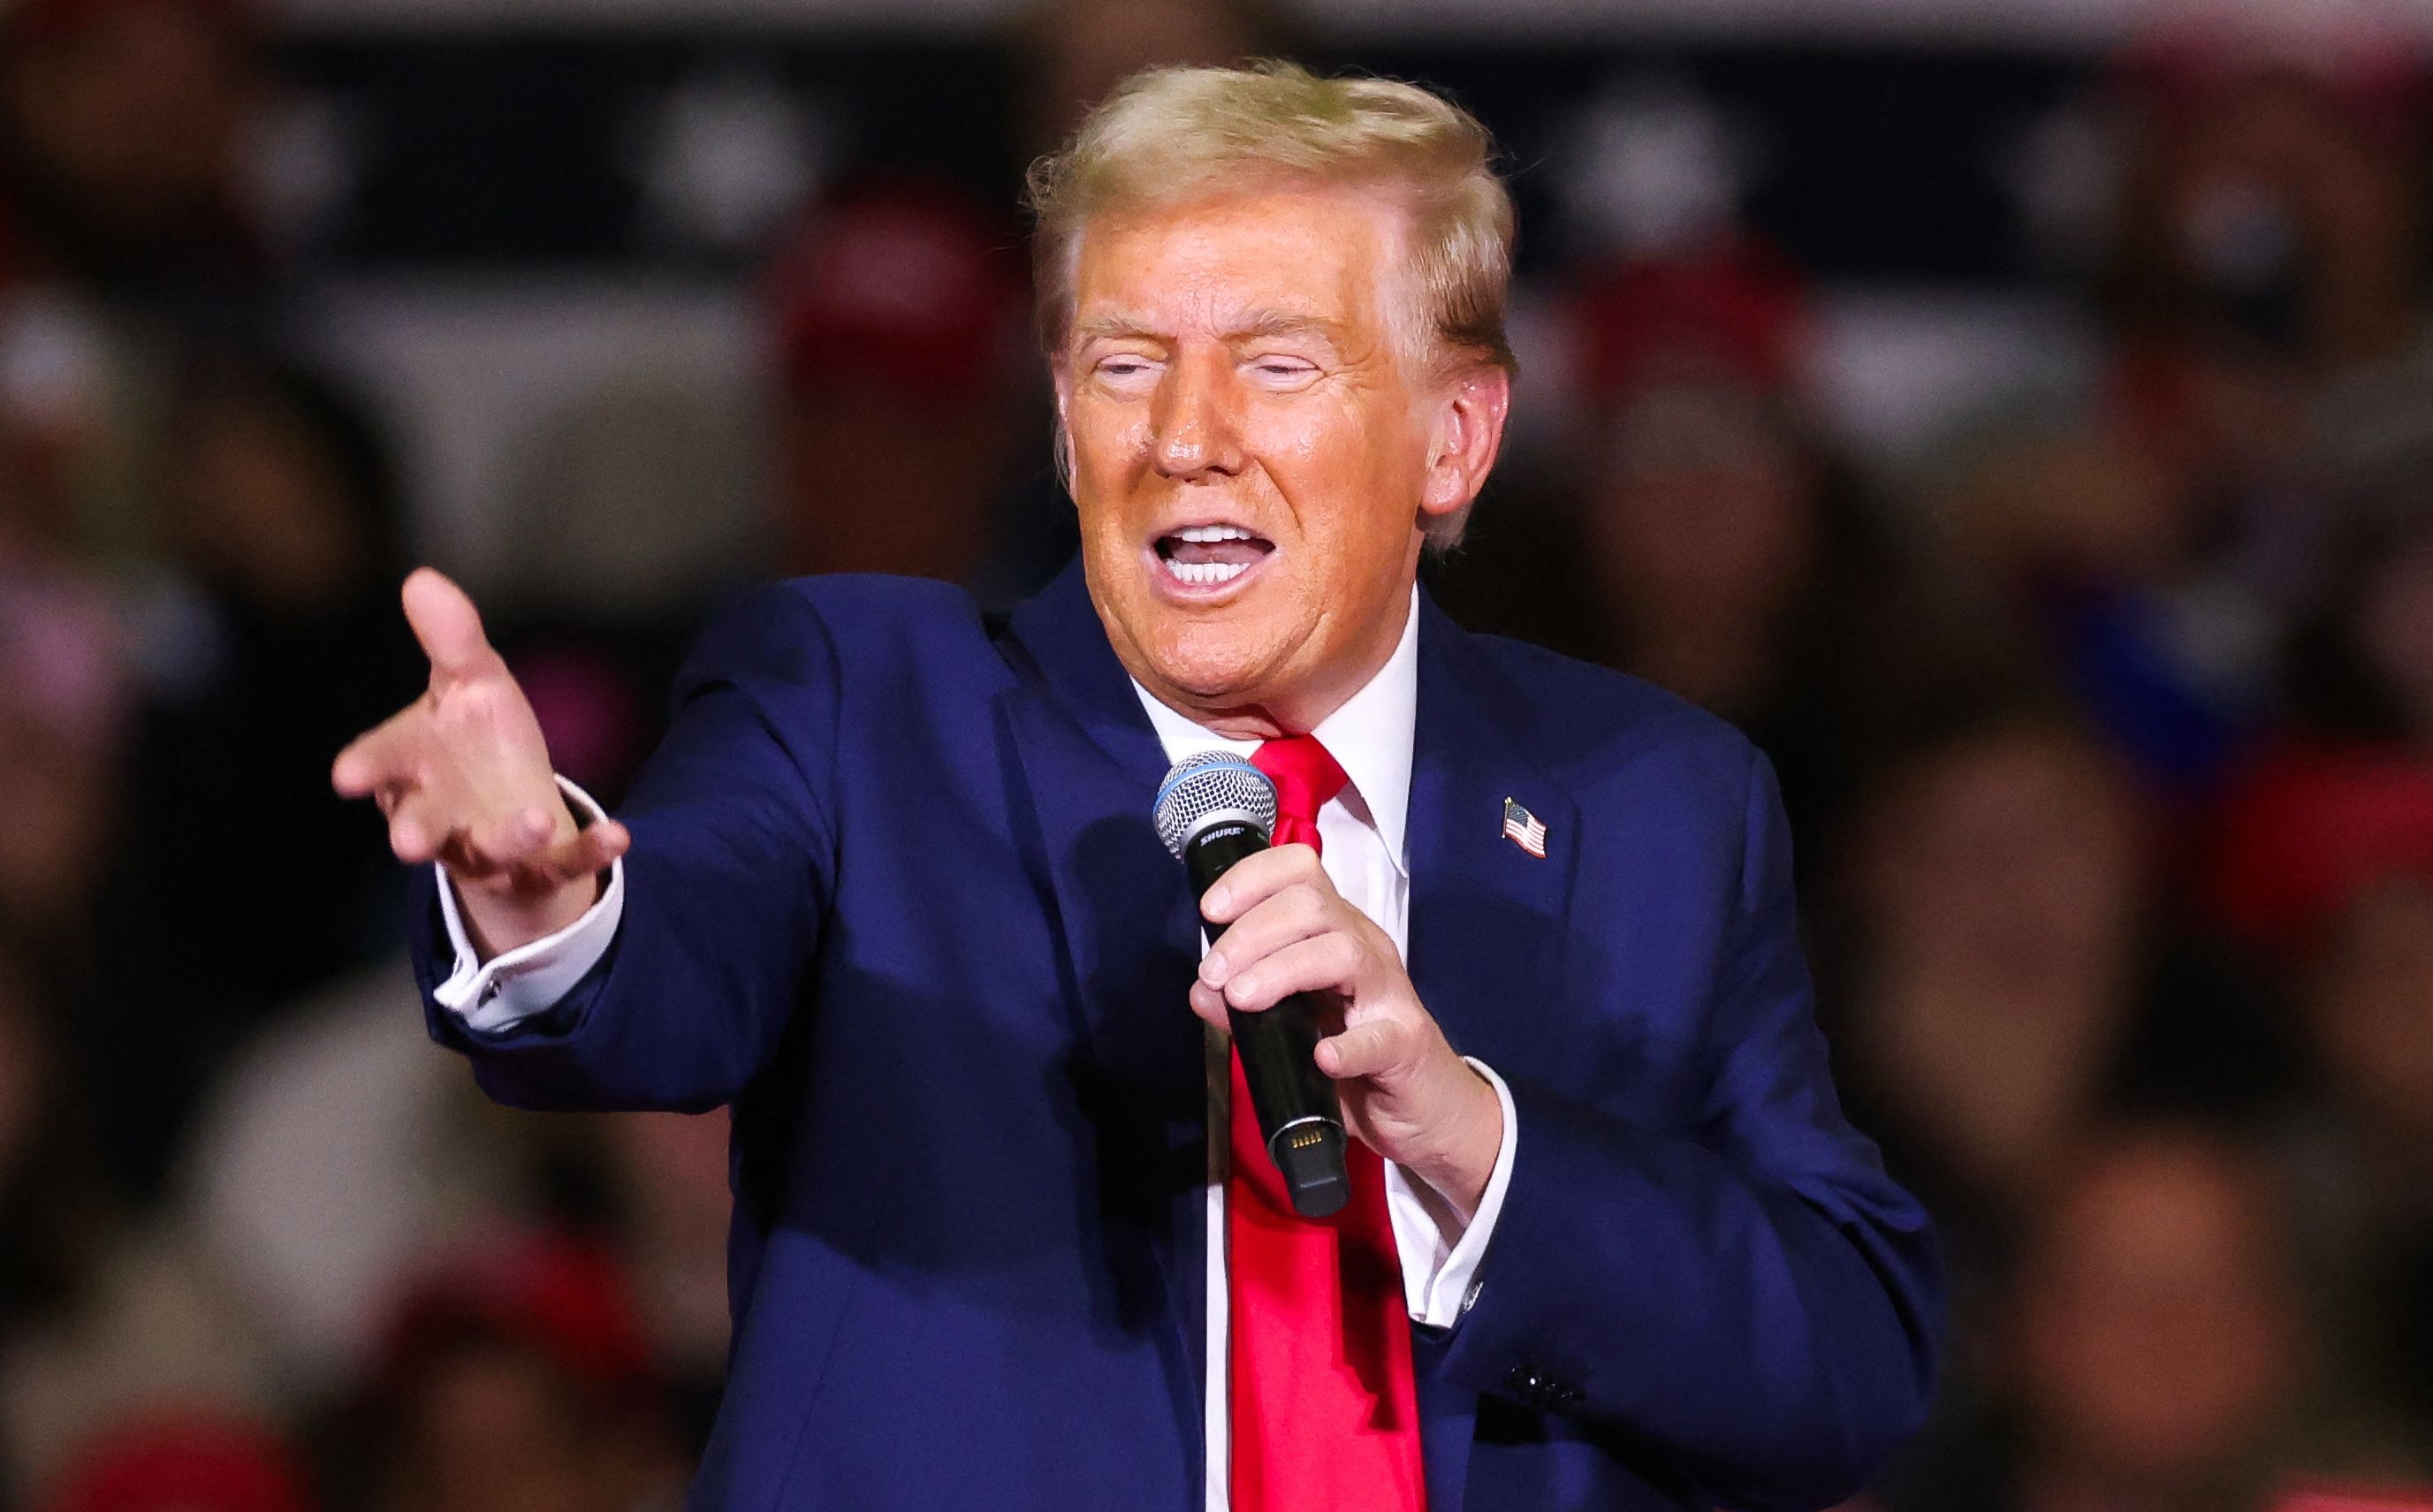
(1323, 1405)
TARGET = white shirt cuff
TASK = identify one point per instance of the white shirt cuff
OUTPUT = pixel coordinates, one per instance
(1440, 1254)
(531, 978)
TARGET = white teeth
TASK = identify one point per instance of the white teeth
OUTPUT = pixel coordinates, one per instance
(1202, 574)
(1203, 534)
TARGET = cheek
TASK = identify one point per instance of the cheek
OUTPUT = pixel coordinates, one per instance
(1109, 455)
(1353, 478)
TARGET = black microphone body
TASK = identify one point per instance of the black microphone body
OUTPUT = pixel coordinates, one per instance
(1300, 1119)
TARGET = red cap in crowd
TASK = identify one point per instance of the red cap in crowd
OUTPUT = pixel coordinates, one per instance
(2312, 828)
(1737, 314)
(182, 1463)
(565, 1299)
(905, 285)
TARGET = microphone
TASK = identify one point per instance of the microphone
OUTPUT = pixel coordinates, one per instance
(1213, 809)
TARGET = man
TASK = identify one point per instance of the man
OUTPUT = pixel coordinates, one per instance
(891, 888)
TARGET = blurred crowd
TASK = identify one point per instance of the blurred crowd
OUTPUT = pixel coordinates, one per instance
(2107, 733)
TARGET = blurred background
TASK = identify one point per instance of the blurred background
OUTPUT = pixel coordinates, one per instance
(2015, 414)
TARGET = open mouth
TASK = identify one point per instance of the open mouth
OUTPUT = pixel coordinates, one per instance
(1210, 556)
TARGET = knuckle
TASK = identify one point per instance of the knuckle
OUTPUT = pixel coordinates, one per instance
(486, 701)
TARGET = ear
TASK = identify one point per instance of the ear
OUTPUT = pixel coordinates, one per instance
(1466, 433)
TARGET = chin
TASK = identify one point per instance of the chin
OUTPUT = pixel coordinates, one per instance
(1215, 660)
(1207, 672)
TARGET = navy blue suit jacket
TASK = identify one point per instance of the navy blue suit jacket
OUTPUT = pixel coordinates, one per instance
(894, 894)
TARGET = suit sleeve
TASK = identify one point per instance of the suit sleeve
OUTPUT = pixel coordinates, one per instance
(726, 886)
(1755, 1306)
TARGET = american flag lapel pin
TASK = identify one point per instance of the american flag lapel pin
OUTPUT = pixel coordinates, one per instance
(1524, 829)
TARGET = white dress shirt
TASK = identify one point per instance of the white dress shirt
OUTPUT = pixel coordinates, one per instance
(1364, 855)
(1363, 851)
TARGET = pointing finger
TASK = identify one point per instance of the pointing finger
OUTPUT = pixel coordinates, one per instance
(447, 625)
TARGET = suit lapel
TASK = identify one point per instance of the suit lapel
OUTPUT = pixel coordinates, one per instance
(1489, 922)
(1089, 764)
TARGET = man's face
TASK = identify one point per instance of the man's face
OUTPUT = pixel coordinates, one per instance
(1252, 452)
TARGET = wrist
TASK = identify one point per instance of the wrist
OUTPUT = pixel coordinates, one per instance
(497, 923)
(1463, 1163)
(506, 911)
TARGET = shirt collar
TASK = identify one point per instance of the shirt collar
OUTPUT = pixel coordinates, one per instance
(1370, 736)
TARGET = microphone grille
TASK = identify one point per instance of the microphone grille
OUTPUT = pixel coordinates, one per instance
(1209, 784)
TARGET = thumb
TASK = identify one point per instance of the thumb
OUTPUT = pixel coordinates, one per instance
(447, 625)
(1362, 1050)
(589, 851)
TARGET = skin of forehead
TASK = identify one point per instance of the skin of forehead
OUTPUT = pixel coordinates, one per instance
(1399, 318)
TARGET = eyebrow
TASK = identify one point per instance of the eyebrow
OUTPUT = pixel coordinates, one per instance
(1285, 323)
(1255, 324)
(1112, 327)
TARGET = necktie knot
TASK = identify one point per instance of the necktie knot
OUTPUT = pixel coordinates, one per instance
(1307, 775)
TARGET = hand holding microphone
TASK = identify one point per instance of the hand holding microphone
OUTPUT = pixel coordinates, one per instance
(1214, 812)
(1288, 955)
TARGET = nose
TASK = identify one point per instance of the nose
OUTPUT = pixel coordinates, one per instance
(1193, 417)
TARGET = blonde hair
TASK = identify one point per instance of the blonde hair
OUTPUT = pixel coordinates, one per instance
(1167, 134)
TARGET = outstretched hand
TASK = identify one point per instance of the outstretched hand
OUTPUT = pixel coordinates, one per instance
(463, 776)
